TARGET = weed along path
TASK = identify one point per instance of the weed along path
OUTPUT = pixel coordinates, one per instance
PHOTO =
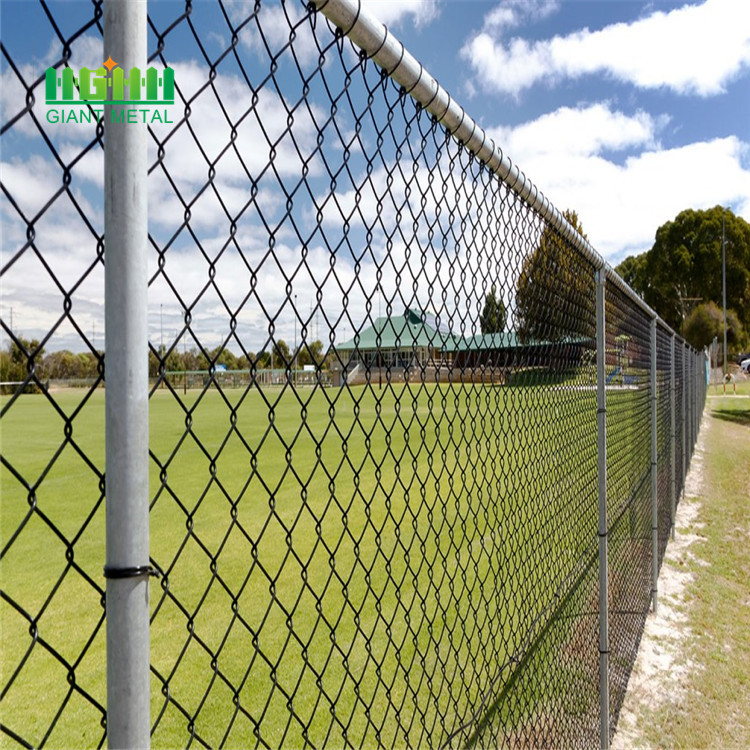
(690, 686)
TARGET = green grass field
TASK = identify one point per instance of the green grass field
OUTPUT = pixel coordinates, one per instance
(340, 565)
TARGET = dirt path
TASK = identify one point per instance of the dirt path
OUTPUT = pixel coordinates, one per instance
(662, 666)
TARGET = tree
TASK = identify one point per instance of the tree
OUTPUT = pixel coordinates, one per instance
(282, 355)
(492, 319)
(310, 354)
(316, 352)
(172, 361)
(87, 365)
(706, 322)
(684, 266)
(16, 361)
(61, 365)
(555, 292)
(633, 272)
(222, 356)
(193, 359)
(153, 364)
(263, 360)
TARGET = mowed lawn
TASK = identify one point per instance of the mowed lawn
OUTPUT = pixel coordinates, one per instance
(339, 566)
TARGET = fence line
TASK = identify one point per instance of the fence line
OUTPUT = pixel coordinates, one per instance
(449, 534)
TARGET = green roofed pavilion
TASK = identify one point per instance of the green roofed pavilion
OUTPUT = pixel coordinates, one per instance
(413, 338)
(418, 339)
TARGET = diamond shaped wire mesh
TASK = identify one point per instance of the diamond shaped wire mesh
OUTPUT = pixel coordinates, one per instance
(52, 591)
(373, 416)
(680, 393)
(628, 485)
(664, 437)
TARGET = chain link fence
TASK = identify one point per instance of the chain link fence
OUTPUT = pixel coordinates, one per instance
(401, 490)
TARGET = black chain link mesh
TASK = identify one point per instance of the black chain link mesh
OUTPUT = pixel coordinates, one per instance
(680, 388)
(53, 691)
(628, 484)
(378, 526)
(663, 436)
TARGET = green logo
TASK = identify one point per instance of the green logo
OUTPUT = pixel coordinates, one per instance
(109, 84)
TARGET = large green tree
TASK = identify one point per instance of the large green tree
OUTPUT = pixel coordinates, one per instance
(633, 271)
(555, 291)
(706, 322)
(683, 268)
(492, 319)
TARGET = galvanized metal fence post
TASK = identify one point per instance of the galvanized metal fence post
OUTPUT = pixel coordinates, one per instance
(693, 409)
(696, 396)
(695, 399)
(601, 423)
(683, 419)
(654, 484)
(691, 400)
(126, 350)
(689, 404)
(672, 439)
(698, 375)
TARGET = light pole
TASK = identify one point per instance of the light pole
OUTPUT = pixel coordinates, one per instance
(724, 286)
(295, 339)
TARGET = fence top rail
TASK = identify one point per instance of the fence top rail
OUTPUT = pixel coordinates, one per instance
(382, 46)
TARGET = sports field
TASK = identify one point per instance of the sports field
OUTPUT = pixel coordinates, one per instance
(340, 565)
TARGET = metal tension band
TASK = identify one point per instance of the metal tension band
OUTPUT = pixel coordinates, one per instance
(133, 572)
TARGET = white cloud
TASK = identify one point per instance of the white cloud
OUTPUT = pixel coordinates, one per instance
(273, 24)
(583, 132)
(696, 49)
(31, 183)
(510, 14)
(236, 146)
(87, 50)
(271, 27)
(13, 97)
(392, 12)
(622, 203)
(55, 258)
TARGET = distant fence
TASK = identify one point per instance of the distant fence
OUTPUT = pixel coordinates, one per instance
(445, 532)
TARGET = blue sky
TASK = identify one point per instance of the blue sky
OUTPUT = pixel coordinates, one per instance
(627, 112)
